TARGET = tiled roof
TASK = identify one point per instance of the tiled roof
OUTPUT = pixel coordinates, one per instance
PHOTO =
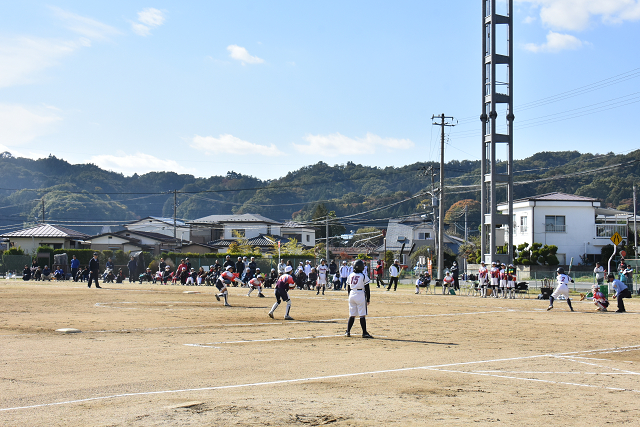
(559, 197)
(148, 234)
(47, 230)
(234, 218)
(260, 240)
(168, 221)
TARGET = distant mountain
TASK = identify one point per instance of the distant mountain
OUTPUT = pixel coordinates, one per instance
(76, 194)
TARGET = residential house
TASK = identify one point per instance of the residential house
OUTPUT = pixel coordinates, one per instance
(159, 225)
(411, 230)
(55, 236)
(577, 225)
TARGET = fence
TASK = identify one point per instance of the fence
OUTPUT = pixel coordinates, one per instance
(14, 264)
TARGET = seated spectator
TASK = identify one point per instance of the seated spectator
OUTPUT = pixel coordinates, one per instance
(26, 273)
(120, 276)
(246, 276)
(46, 273)
(59, 273)
(37, 275)
(85, 274)
(79, 275)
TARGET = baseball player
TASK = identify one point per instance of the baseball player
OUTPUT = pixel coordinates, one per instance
(483, 279)
(598, 299)
(378, 272)
(495, 279)
(423, 282)
(359, 297)
(447, 282)
(323, 272)
(256, 283)
(503, 280)
(511, 281)
(561, 289)
(226, 278)
(284, 283)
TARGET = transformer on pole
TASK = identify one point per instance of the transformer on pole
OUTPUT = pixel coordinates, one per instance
(497, 99)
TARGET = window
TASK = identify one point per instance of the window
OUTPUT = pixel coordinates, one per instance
(424, 236)
(523, 224)
(308, 238)
(554, 224)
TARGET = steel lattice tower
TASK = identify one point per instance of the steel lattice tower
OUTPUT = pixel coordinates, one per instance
(497, 99)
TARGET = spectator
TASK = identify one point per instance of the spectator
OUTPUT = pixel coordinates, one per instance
(133, 269)
(26, 273)
(253, 265)
(75, 264)
(599, 272)
(46, 273)
(240, 267)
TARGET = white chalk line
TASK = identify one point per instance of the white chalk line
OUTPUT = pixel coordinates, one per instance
(211, 344)
(440, 368)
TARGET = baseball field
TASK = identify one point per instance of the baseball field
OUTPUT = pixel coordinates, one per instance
(152, 355)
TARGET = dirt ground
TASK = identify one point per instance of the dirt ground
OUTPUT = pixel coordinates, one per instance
(151, 355)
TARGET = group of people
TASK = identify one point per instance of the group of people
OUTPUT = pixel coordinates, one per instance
(497, 281)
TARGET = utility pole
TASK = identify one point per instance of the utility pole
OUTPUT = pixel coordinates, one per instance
(442, 125)
(635, 227)
(326, 237)
(175, 209)
(43, 211)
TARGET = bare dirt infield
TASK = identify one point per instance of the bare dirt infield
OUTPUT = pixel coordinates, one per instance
(151, 355)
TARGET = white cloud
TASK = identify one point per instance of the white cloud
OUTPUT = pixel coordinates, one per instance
(576, 15)
(529, 19)
(337, 144)
(90, 28)
(22, 57)
(241, 54)
(556, 42)
(229, 144)
(151, 17)
(147, 18)
(139, 163)
(20, 125)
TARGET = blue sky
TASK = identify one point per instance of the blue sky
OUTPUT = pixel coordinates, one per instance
(263, 88)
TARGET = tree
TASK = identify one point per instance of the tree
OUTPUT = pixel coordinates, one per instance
(455, 214)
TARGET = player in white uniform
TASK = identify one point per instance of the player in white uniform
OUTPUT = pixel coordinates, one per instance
(503, 280)
(511, 281)
(226, 278)
(483, 278)
(256, 283)
(495, 279)
(359, 297)
(561, 289)
(323, 272)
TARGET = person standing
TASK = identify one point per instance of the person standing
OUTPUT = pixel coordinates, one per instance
(284, 283)
(228, 262)
(561, 289)
(75, 264)
(323, 272)
(94, 270)
(344, 273)
(483, 278)
(359, 298)
(455, 273)
(599, 272)
(240, 267)
(281, 267)
(394, 274)
(307, 268)
(253, 265)
(379, 272)
(133, 269)
(620, 290)
(333, 267)
(162, 266)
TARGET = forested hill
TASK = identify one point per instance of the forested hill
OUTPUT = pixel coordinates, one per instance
(76, 194)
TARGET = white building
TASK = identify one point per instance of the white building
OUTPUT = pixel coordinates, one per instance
(154, 224)
(55, 236)
(577, 225)
(215, 228)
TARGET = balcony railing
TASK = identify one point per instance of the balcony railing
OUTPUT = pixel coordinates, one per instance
(551, 228)
(608, 230)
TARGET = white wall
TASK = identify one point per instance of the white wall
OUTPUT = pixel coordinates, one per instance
(154, 226)
(579, 237)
